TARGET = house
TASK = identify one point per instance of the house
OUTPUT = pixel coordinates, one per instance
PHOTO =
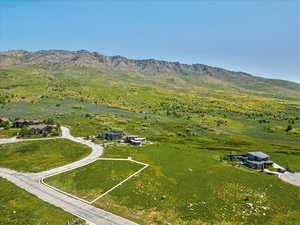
(254, 160)
(258, 160)
(20, 123)
(134, 140)
(113, 135)
(42, 129)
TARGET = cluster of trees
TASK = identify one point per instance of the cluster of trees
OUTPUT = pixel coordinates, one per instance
(5, 124)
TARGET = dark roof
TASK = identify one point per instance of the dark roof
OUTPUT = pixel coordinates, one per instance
(259, 155)
(114, 132)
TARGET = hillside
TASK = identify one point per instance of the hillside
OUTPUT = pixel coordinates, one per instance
(170, 72)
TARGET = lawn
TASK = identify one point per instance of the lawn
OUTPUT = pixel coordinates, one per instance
(36, 156)
(92, 180)
(18, 207)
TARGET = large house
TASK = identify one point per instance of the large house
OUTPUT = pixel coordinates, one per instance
(258, 160)
(254, 160)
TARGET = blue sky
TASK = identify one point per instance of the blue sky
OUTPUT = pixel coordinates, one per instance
(261, 37)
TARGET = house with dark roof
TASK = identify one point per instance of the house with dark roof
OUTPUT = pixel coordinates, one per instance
(258, 160)
(254, 160)
(21, 123)
(112, 135)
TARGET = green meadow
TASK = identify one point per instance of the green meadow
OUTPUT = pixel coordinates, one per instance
(37, 156)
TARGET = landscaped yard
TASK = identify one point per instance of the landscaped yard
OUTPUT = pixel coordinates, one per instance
(18, 207)
(91, 181)
(36, 156)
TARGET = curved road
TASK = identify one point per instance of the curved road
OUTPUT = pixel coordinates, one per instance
(31, 182)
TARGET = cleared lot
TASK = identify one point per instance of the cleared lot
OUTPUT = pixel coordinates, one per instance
(90, 181)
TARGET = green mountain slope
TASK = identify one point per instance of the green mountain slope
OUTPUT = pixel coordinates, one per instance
(172, 74)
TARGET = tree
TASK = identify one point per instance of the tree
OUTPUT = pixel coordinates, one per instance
(49, 121)
(5, 125)
(25, 132)
(289, 128)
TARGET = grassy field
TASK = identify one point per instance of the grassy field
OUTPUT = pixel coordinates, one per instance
(199, 189)
(18, 207)
(91, 181)
(8, 133)
(36, 156)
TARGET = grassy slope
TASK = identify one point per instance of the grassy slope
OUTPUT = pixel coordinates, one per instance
(18, 207)
(191, 123)
(90, 181)
(36, 156)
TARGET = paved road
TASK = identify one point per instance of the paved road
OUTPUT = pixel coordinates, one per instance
(292, 178)
(31, 182)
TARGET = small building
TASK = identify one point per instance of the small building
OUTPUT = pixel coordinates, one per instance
(42, 128)
(134, 140)
(130, 138)
(113, 135)
(21, 123)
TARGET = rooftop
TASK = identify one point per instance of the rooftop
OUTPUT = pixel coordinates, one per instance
(260, 155)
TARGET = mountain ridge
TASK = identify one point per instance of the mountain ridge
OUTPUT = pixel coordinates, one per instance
(195, 74)
(117, 61)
